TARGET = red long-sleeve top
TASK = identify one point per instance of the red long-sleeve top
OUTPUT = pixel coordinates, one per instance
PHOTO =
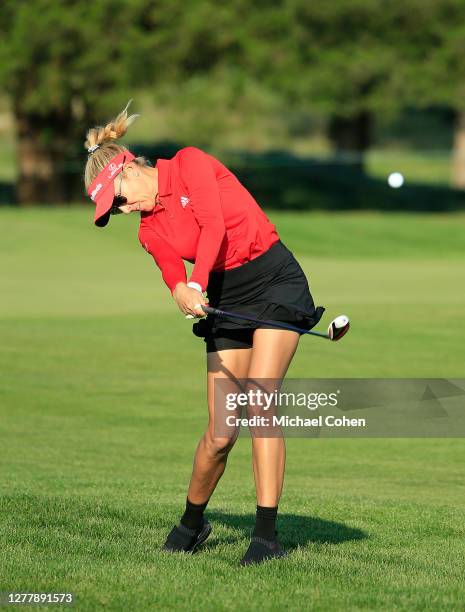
(205, 216)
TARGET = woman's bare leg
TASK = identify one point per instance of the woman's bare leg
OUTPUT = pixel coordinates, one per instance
(212, 453)
(272, 352)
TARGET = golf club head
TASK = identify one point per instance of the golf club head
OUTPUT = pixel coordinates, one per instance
(338, 327)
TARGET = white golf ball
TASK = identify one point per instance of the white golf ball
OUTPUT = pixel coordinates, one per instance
(395, 180)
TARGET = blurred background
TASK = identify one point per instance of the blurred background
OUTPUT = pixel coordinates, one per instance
(346, 121)
(336, 97)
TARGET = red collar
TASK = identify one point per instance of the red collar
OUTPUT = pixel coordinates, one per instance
(164, 177)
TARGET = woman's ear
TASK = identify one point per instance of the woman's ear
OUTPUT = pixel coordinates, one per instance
(131, 170)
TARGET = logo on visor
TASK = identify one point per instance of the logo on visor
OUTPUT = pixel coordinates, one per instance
(184, 201)
(96, 190)
(113, 169)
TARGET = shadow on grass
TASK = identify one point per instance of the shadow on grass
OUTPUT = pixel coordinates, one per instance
(314, 183)
(281, 180)
(294, 530)
(90, 527)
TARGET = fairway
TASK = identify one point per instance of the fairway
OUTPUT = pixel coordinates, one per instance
(103, 401)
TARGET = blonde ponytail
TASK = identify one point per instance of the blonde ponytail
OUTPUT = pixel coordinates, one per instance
(105, 137)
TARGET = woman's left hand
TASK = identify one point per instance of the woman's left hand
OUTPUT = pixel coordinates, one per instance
(189, 300)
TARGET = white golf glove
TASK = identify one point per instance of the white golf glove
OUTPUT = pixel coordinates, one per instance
(190, 316)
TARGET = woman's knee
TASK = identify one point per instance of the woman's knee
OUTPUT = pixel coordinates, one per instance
(219, 445)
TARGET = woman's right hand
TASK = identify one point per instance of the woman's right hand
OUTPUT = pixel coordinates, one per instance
(186, 298)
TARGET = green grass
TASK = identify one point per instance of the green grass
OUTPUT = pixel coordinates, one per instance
(432, 168)
(103, 400)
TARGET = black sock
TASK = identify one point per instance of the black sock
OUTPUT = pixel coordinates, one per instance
(265, 522)
(193, 516)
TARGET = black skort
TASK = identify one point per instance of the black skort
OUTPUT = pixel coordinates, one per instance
(271, 286)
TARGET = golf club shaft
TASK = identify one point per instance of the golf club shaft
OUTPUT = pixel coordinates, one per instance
(218, 312)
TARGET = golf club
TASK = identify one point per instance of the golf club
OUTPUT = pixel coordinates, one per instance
(336, 329)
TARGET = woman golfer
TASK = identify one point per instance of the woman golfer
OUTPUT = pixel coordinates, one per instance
(193, 208)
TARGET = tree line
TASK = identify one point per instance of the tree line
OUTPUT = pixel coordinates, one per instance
(62, 64)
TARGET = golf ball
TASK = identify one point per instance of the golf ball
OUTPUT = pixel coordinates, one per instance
(395, 180)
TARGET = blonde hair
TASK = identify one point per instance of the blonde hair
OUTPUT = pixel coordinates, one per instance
(105, 136)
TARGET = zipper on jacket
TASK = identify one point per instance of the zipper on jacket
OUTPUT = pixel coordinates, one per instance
(166, 209)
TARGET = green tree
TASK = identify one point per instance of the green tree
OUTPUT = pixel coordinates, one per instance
(432, 66)
(331, 58)
(64, 65)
